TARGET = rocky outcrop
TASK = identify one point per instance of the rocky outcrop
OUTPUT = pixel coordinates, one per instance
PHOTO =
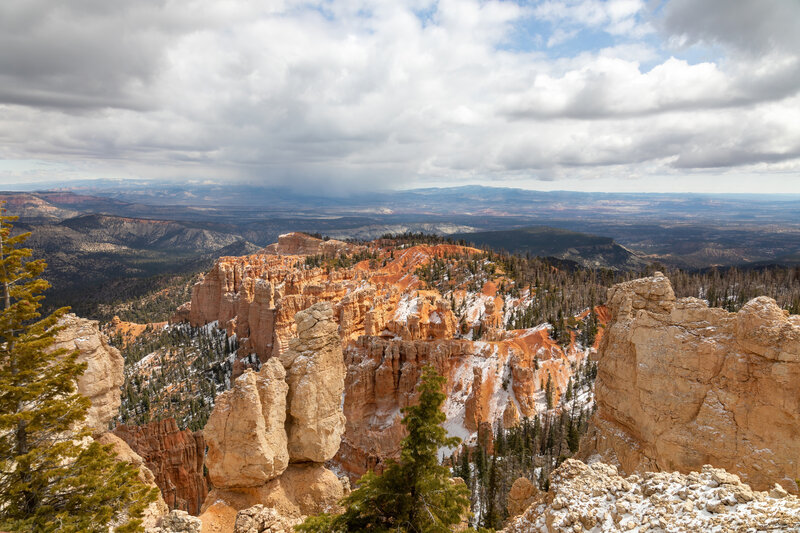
(315, 373)
(156, 510)
(278, 414)
(103, 377)
(596, 498)
(296, 243)
(260, 519)
(245, 433)
(257, 297)
(681, 385)
(487, 381)
(520, 497)
(177, 521)
(176, 459)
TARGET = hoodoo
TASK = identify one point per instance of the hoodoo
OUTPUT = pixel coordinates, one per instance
(269, 435)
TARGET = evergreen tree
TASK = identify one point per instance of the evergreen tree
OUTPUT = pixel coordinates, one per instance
(50, 478)
(414, 495)
(548, 391)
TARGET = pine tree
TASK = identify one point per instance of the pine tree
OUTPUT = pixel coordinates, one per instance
(548, 391)
(414, 495)
(50, 478)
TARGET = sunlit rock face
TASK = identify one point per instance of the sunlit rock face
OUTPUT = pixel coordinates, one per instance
(681, 385)
(269, 435)
(103, 377)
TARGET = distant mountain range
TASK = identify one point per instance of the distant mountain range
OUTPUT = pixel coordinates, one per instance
(93, 236)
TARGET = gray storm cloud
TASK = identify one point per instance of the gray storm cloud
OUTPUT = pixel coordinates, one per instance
(376, 94)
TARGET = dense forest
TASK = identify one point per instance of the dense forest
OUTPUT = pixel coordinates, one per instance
(176, 372)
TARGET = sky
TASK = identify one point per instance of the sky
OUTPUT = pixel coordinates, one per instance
(617, 95)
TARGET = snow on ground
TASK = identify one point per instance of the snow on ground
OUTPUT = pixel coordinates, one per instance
(595, 498)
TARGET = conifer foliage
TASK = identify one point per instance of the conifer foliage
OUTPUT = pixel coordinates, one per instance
(414, 495)
(53, 477)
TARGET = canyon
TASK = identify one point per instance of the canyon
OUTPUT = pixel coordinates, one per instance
(390, 325)
(332, 338)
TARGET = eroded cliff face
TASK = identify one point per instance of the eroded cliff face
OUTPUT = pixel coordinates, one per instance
(487, 381)
(256, 297)
(176, 459)
(681, 385)
(270, 434)
(103, 377)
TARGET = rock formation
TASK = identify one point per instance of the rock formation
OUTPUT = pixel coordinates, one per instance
(681, 385)
(315, 374)
(486, 381)
(246, 437)
(153, 513)
(260, 519)
(176, 459)
(596, 498)
(177, 521)
(103, 377)
(253, 432)
(390, 325)
(296, 243)
(520, 497)
(257, 297)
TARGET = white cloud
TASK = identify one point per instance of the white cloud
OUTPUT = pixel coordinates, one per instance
(369, 94)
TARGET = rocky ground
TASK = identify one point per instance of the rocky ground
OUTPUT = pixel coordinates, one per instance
(596, 498)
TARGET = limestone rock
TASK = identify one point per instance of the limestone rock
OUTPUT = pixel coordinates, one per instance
(157, 509)
(176, 459)
(260, 519)
(596, 498)
(103, 377)
(521, 495)
(383, 373)
(315, 373)
(680, 384)
(245, 433)
(177, 521)
(303, 489)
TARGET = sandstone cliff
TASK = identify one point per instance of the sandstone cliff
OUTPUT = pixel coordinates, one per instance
(596, 498)
(256, 297)
(315, 374)
(487, 381)
(103, 377)
(681, 385)
(176, 459)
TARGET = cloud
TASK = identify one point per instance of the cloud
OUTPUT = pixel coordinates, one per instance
(383, 93)
(753, 26)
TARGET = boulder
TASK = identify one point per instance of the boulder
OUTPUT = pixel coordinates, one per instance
(520, 497)
(177, 521)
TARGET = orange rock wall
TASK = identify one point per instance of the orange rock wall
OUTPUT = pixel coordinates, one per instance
(176, 459)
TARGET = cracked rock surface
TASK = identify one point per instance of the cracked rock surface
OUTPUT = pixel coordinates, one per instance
(680, 385)
(596, 498)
